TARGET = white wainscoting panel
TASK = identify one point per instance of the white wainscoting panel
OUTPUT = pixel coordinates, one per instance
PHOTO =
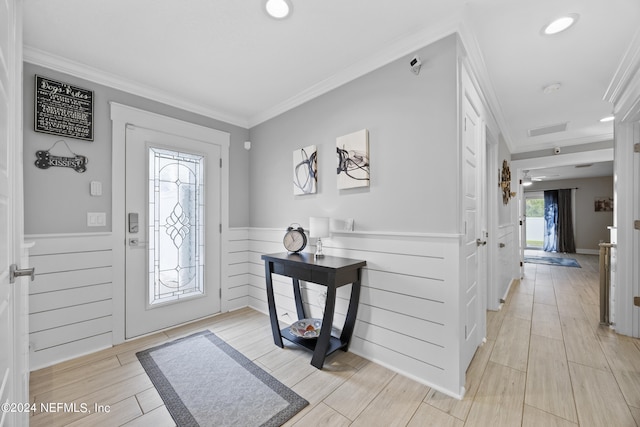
(506, 261)
(237, 281)
(408, 317)
(409, 312)
(70, 300)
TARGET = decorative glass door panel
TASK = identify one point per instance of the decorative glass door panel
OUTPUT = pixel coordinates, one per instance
(176, 225)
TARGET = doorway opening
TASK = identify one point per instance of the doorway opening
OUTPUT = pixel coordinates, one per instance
(534, 212)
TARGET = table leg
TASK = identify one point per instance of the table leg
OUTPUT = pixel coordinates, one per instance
(320, 352)
(271, 301)
(298, 298)
(352, 312)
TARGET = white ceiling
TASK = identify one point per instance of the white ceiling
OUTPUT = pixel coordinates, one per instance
(229, 60)
(557, 173)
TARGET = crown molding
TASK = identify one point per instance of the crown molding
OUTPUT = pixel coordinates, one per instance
(626, 72)
(77, 69)
(478, 66)
(390, 53)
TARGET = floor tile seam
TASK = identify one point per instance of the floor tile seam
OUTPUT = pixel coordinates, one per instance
(368, 404)
(566, 360)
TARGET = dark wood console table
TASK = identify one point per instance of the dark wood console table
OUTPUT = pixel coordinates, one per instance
(332, 272)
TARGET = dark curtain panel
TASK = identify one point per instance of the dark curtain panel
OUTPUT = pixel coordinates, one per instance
(566, 241)
(550, 221)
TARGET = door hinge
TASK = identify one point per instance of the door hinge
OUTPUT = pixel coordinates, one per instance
(636, 301)
(465, 123)
(636, 148)
(521, 264)
(220, 292)
(221, 162)
(220, 228)
(636, 224)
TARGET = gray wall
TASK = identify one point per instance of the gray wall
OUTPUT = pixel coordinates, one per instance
(412, 141)
(590, 227)
(57, 199)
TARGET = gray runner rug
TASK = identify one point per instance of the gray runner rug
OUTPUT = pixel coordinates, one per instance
(203, 381)
(550, 260)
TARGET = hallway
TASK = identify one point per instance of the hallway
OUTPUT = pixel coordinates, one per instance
(546, 362)
(546, 349)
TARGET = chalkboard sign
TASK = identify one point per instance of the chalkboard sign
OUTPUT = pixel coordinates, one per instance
(63, 109)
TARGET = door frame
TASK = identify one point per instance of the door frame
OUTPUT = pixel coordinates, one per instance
(624, 94)
(519, 166)
(121, 116)
(468, 89)
(14, 380)
(491, 142)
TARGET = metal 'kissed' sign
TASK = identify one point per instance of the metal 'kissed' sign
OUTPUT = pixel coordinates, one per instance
(45, 160)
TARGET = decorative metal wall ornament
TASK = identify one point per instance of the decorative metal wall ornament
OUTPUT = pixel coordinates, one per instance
(505, 183)
(45, 160)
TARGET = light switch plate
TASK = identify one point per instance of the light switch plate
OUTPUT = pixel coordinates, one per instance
(96, 219)
(96, 188)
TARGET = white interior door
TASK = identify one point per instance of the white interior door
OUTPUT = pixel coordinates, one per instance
(13, 296)
(173, 205)
(474, 246)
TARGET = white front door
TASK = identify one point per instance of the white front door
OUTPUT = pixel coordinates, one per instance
(474, 245)
(13, 296)
(173, 205)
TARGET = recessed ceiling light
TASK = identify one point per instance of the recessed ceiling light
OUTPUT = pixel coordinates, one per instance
(560, 24)
(278, 9)
(607, 119)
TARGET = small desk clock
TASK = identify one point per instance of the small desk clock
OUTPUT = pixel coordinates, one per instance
(294, 239)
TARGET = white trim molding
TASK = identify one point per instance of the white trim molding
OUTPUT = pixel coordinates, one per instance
(386, 55)
(624, 89)
(624, 93)
(77, 69)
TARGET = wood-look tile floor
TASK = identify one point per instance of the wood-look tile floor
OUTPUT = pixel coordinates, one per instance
(546, 362)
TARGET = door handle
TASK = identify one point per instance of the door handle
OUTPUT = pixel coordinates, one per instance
(137, 242)
(14, 272)
(480, 242)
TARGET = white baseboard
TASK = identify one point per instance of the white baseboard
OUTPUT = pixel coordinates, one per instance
(588, 251)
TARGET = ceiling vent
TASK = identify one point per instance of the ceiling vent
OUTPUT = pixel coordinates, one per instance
(586, 165)
(547, 129)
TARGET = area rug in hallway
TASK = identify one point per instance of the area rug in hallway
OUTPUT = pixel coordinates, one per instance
(550, 260)
(203, 381)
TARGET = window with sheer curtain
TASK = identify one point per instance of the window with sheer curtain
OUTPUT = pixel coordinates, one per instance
(558, 221)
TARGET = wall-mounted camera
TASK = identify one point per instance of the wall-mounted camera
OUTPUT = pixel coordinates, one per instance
(557, 150)
(415, 64)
